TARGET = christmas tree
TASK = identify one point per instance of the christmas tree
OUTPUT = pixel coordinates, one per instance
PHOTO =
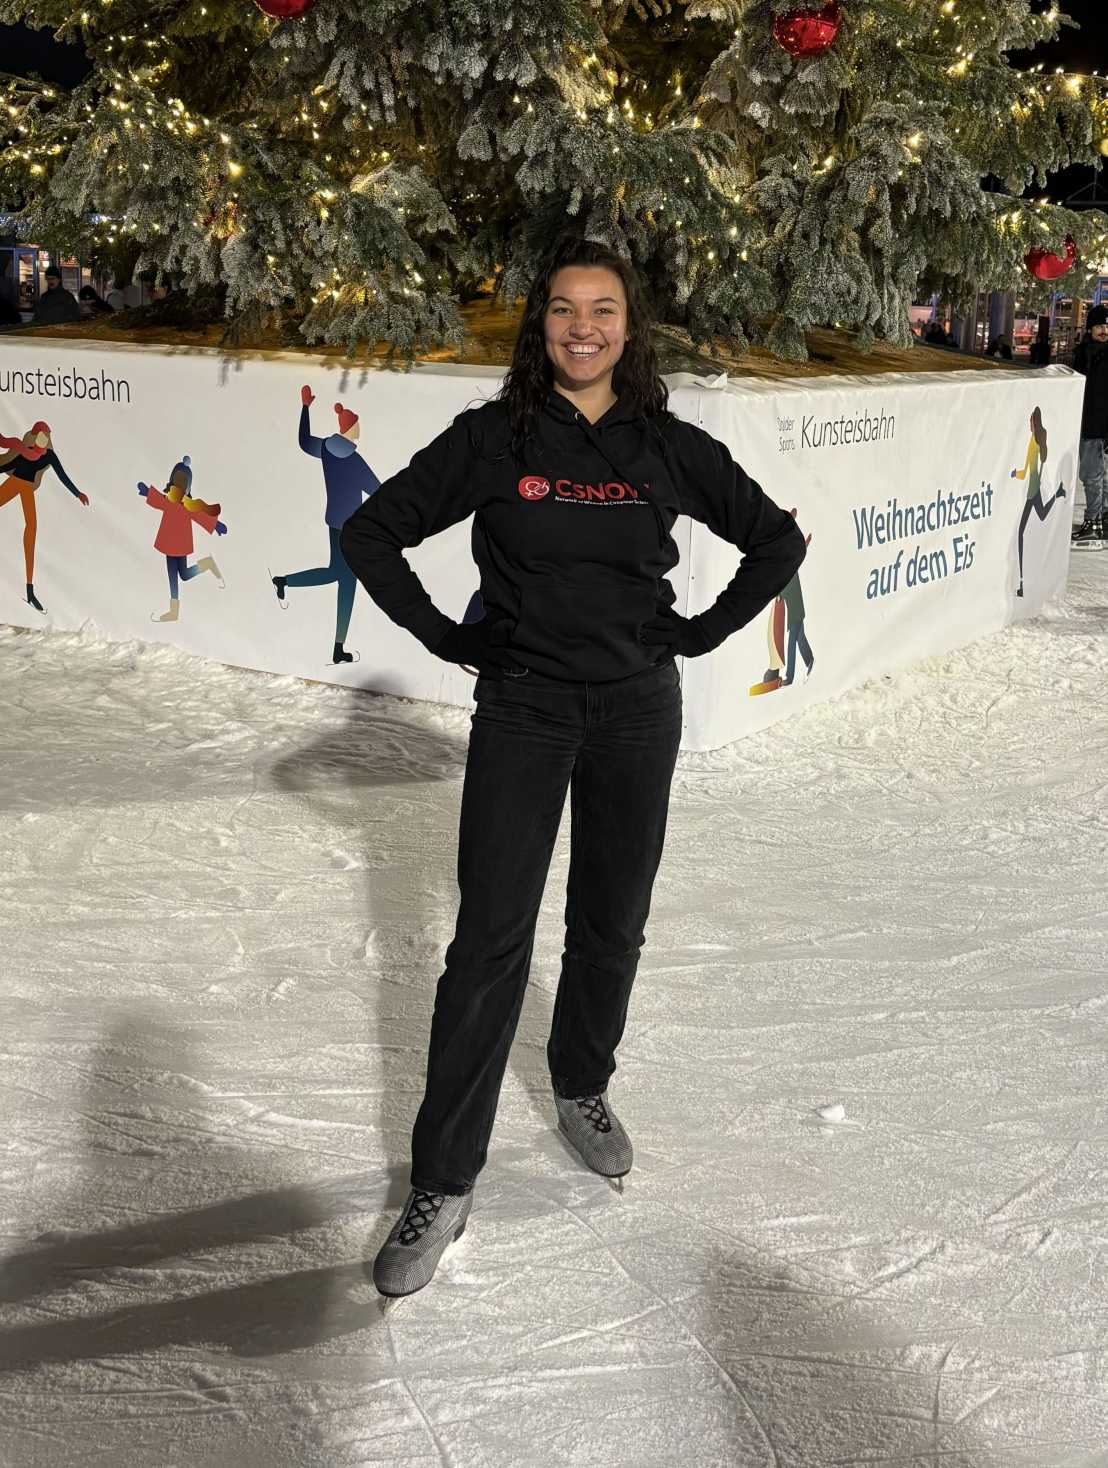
(363, 167)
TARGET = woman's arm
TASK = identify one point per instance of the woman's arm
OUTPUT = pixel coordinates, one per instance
(436, 490)
(56, 464)
(713, 489)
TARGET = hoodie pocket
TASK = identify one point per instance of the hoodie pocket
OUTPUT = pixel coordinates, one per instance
(591, 629)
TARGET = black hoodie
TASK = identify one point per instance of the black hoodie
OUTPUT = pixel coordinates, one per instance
(573, 542)
(1091, 360)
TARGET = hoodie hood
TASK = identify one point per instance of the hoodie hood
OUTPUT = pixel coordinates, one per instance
(563, 410)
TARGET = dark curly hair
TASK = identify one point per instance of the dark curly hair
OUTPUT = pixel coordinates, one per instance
(530, 378)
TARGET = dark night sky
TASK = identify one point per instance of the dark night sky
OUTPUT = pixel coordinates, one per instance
(23, 51)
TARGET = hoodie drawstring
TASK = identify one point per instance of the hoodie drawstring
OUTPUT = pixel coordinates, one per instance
(594, 439)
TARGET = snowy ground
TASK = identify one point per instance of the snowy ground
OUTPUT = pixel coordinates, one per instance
(225, 899)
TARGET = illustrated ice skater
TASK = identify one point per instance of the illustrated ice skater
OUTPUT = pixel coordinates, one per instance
(23, 462)
(180, 512)
(1032, 472)
(346, 477)
(785, 635)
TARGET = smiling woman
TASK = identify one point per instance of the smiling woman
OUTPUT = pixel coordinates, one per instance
(575, 475)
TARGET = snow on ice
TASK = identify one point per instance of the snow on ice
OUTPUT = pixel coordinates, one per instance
(225, 901)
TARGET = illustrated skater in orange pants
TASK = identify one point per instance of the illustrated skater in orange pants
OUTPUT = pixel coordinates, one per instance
(24, 461)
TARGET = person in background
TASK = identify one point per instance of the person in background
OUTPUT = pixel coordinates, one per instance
(1091, 360)
(1000, 346)
(9, 295)
(1041, 350)
(56, 305)
(92, 304)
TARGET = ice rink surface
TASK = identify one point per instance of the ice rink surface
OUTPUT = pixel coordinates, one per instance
(225, 901)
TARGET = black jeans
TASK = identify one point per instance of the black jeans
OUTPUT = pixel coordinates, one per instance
(614, 746)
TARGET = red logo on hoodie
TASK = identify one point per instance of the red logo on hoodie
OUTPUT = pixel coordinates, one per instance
(532, 487)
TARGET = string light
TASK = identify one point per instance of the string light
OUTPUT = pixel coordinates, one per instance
(139, 110)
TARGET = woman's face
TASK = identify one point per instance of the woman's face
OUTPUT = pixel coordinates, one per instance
(585, 325)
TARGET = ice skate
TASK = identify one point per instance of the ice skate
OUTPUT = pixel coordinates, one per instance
(595, 1134)
(410, 1255)
(208, 564)
(279, 588)
(772, 680)
(173, 613)
(1089, 535)
(32, 599)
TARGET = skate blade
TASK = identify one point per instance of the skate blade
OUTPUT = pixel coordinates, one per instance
(1087, 545)
(284, 605)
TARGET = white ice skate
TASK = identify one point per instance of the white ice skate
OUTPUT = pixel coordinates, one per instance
(208, 564)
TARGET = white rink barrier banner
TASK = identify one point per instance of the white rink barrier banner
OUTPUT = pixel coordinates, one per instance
(937, 508)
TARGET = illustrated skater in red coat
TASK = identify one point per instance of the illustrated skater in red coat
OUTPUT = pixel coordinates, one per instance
(180, 512)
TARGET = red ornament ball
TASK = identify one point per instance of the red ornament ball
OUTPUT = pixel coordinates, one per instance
(809, 31)
(284, 9)
(1044, 265)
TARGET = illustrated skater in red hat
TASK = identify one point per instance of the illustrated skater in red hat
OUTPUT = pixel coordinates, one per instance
(347, 477)
(24, 461)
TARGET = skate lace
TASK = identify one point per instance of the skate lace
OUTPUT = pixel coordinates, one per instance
(594, 1111)
(420, 1216)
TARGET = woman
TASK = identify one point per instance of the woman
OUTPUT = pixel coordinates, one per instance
(1032, 471)
(575, 475)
